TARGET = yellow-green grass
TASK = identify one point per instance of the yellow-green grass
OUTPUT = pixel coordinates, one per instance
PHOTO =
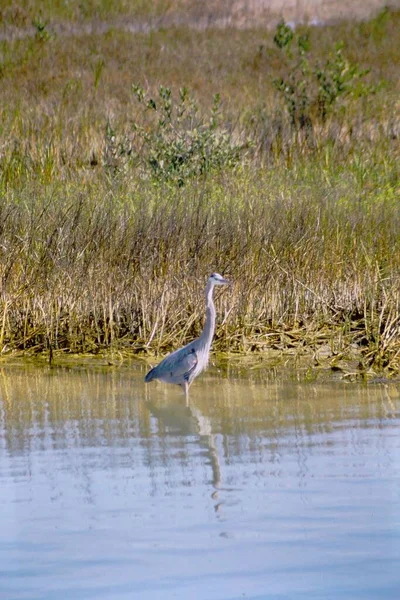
(96, 255)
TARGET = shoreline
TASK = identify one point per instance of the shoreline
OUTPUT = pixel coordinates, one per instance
(306, 366)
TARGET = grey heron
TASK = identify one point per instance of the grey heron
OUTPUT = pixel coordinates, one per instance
(183, 365)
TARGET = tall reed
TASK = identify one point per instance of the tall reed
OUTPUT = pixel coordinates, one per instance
(97, 252)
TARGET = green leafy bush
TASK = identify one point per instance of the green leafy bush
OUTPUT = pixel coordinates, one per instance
(312, 89)
(178, 142)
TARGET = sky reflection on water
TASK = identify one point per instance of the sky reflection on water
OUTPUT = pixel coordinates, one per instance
(260, 488)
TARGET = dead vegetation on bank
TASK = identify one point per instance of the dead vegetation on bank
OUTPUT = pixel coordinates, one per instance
(117, 203)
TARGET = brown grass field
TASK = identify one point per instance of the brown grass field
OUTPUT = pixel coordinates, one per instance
(113, 212)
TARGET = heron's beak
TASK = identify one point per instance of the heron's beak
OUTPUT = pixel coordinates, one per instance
(225, 282)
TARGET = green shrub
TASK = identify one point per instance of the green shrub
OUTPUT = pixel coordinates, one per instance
(180, 142)
(312, 89)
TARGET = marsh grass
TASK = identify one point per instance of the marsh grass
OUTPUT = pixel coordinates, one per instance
(98, 254)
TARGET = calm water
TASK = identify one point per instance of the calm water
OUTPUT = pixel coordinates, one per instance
(262, 488)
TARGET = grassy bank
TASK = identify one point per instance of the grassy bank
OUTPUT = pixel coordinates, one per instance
(115, 208)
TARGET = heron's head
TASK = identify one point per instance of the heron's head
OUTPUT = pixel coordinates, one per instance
(217, 279)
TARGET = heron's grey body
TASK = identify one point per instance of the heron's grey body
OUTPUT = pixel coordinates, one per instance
(183, 365)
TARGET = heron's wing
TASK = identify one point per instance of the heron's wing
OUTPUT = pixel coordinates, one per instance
(179, 364)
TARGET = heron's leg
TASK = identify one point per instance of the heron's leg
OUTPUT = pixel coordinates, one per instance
(185, 386)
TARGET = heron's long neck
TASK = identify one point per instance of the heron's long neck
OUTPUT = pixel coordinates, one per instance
(209, 325)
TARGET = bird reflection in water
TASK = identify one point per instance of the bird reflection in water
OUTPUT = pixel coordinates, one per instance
(187, 420)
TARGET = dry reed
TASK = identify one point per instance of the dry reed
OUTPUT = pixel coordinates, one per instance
(94, 255)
